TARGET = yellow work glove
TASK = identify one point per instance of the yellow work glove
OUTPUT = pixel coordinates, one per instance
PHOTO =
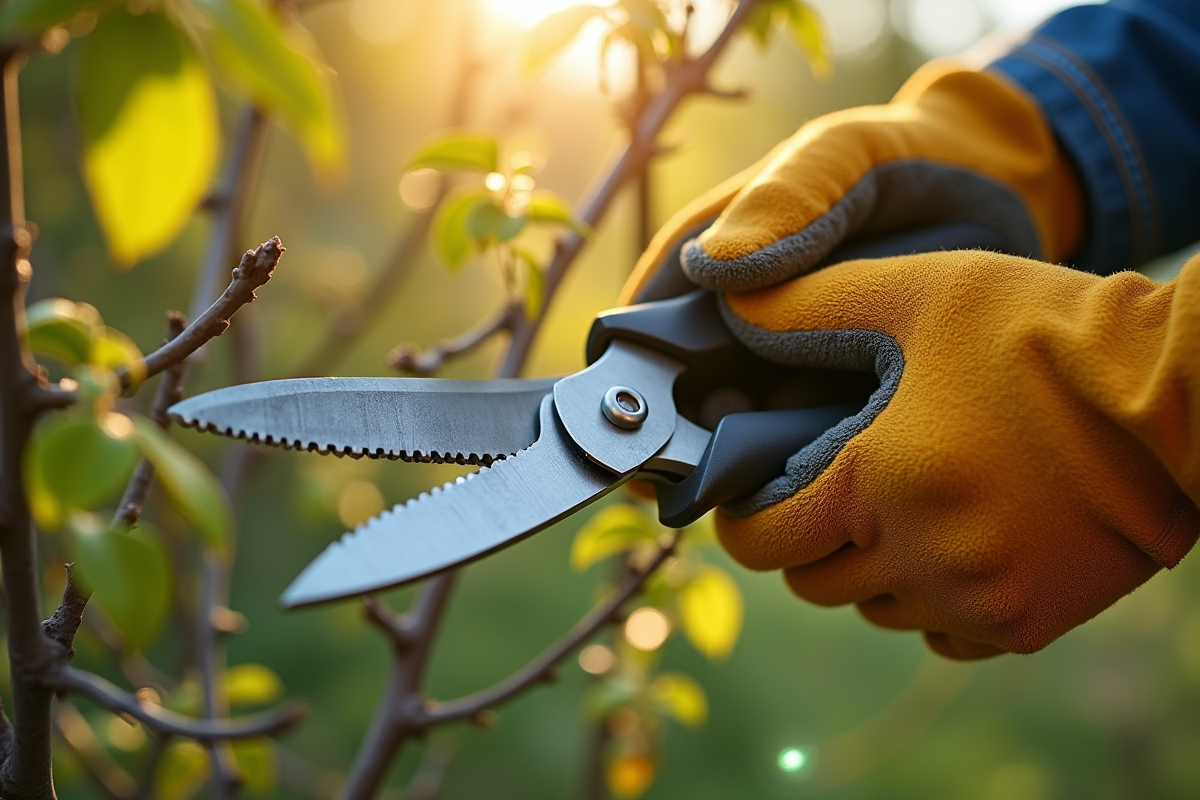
(1032, 453)
(954, 145)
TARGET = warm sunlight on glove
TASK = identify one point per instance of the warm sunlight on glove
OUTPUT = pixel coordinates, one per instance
(1020, 467)
(954, 145)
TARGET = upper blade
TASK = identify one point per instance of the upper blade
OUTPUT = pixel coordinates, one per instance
(459, 522)
(415, 419)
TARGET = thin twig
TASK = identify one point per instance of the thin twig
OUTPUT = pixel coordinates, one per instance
(542, 668)
(411, 358)
(164, 722)
(254, 270)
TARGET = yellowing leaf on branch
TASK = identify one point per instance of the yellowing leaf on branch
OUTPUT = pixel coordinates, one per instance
(283, 73)
(552, 35)
(76, 462)
(184, 768)
(680, 696)
(458, 149)
(131, 578)
(808, 33)
(252, 685)
(614, 529)
(710, 609)
(630, 775)
(150, 131)
(192, 489)
(546, 206)
(62, 330)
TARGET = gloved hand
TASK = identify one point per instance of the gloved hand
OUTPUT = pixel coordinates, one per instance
(954, 145)
(1020, 467)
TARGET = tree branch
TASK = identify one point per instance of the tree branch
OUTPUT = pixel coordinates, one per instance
(683, 78)
(411, 358)
(541, 669)
(164, 722)
(254, 270)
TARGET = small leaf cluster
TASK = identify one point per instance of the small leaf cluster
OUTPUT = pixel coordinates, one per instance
(147, 105)
(631, 696)
(79, 461)
(658, 38)
(492, 217)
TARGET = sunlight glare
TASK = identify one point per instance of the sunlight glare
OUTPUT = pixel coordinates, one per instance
(528, 13)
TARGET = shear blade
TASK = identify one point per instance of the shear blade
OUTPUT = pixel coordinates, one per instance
(464, 520)
(413, 419)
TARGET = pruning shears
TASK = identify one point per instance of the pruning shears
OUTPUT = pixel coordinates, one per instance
(668, 396)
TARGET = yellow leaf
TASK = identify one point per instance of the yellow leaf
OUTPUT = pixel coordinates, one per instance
(150, 131)
(183, 770)
(681, 697)
(710, 608)
(256, 761)
(252, 685)
(612, 530)
(629, 776)
(809, 34)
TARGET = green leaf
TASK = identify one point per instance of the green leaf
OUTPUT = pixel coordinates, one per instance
(183, 770)
(760, 23)
(34, 16)
(710, 608)
(680, 696)
(252, 685)
(533, 286)
(458, 149)
(552, 35)
(188, 483)
(546, 206)
(605, 697)
(113, 350)
(150, 131)
(488, 223)
(614, 529)
(256, 761)
(76, 462)
(451, 239)
(255, 51)
(131, 577)
(809, 35)
(62, 330)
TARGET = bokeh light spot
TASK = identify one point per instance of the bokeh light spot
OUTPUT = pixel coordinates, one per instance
(596, 659)
(358, 502)
(647, 629)
(419, 188)
(494, 181)
(792, 760)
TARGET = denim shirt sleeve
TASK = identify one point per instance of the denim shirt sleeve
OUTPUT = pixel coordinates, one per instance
(1120, 86)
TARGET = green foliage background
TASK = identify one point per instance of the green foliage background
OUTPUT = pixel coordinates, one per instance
(1110, 711)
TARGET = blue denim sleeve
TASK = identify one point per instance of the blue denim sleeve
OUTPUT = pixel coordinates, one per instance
(1120, 86)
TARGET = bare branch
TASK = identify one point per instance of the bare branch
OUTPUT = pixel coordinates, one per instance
(541, 669)
(392, 625)
(410, 358)
(64, 622)
(254, 270)
(164, 722)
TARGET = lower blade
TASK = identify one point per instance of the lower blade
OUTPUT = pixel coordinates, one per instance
(465, 520)
(413, 419)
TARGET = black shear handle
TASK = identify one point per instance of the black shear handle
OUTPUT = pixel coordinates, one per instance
(749, 449)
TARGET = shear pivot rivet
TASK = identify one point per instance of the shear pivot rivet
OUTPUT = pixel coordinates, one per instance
(624, 407)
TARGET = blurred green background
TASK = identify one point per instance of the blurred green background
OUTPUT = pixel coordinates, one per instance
(1110, 711)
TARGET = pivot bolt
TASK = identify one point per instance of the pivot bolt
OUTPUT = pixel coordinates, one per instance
(624, 407)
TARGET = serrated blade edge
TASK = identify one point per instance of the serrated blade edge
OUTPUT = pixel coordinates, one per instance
(410, 419)
(459, 522)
